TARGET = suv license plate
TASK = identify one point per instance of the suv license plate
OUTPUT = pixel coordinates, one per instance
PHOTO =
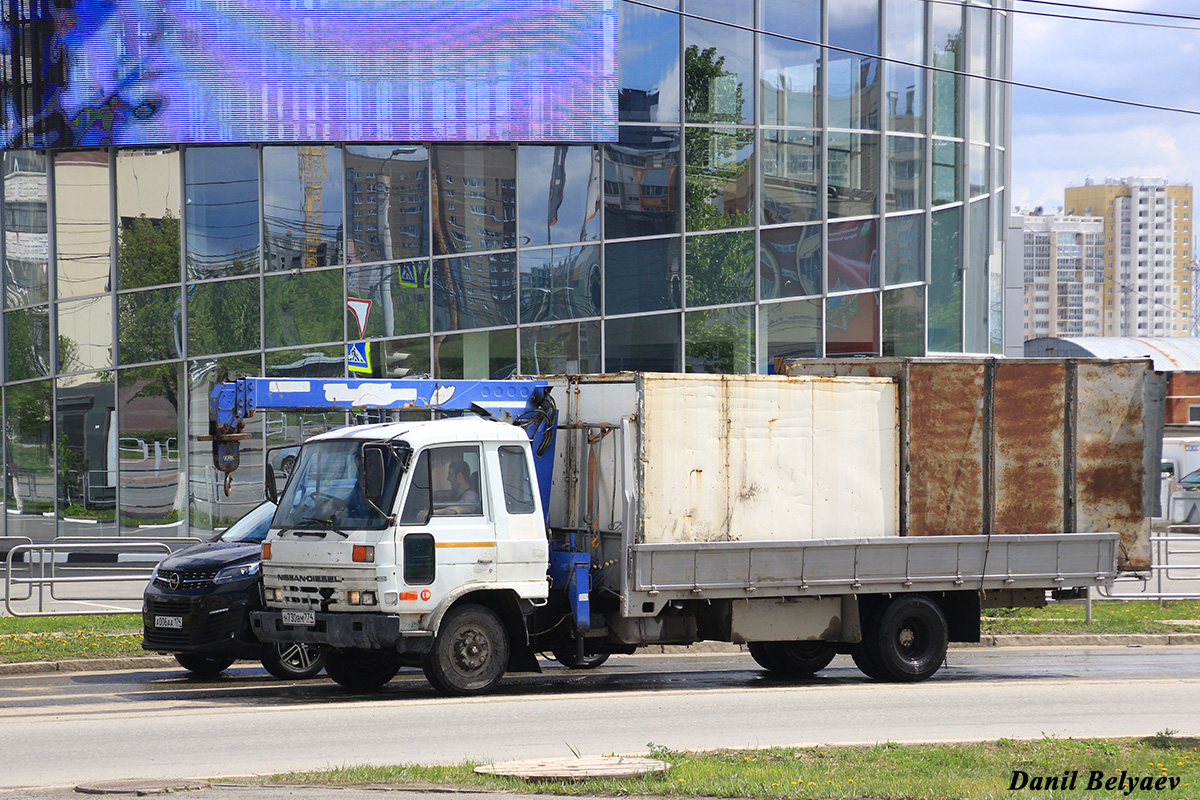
(168, 622)
(299, 618)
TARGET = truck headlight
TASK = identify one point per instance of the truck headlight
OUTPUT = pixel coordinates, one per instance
(237, 572)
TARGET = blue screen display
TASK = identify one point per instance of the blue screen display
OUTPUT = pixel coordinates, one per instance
(82, 73)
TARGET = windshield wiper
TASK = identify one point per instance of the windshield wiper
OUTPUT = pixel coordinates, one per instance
(327, 524)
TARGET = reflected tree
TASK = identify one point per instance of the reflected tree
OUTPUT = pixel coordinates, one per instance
(148, 255)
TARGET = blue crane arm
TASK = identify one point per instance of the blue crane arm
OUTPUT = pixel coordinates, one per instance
(525, 402)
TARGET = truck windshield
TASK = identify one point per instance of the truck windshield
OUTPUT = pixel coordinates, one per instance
(326, 488)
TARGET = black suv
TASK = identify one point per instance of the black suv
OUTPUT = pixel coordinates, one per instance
(197, 605)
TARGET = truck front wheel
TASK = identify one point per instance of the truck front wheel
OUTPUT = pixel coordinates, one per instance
(470, 653)
(361, 670)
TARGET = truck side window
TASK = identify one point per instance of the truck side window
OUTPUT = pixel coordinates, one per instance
(454, 473)
(419, 562)
(419, 500)
(514, 475)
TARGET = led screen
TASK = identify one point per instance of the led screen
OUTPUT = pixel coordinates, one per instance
(81, 73)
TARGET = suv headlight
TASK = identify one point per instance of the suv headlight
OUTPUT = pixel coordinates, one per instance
(237, 572)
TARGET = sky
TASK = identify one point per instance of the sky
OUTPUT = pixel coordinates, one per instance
(1059, 141)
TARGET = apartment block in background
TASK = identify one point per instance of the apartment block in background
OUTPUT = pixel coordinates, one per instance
(1064, 275)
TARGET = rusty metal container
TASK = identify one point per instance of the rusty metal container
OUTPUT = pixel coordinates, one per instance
(1022, 446)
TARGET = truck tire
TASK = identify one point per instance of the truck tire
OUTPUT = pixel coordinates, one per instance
(469, 654)
(569, 659)
(293, 661)
(792, 659)
(203, 665)
(911, 639)
(361, 670)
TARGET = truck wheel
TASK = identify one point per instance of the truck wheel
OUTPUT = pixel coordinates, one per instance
(470, 653)
(293, 660)
(361, 670)
(912, 639)
(767, 656)
(569, 659)
(793, 659)
(203, 665)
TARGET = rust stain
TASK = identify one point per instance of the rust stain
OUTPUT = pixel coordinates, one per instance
(1030, 419)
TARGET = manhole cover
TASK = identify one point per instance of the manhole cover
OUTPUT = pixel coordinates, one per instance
(576, 769)
(139, 786)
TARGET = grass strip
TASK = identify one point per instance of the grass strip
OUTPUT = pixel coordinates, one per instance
(64, 638)
(977, 771)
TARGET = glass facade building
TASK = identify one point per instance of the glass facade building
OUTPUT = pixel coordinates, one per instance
(791, 178)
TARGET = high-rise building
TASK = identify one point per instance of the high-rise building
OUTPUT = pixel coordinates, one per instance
(1064, 275)
(1147, 253)
(488, 188)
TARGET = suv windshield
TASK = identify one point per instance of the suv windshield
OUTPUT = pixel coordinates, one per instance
(326, 488)
(251, 528)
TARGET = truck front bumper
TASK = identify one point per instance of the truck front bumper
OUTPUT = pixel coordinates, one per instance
(343, 631)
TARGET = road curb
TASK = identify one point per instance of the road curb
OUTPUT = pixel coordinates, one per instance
(87, 665)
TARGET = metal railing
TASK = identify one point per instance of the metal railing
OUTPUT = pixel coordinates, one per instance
(1174, 573)
(42, 571)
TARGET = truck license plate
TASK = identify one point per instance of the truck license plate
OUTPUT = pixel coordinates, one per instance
(299, 618)
(168, 622)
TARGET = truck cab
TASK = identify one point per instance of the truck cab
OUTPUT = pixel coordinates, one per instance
(383, 531)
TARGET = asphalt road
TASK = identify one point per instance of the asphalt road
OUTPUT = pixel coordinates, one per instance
(61, 729)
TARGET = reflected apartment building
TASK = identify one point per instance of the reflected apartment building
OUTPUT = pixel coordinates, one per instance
(788, 179)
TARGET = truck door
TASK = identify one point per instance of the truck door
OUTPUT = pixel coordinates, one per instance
(521, 547)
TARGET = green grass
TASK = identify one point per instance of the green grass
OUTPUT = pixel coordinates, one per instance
(981, 771)
(1108, 616)
(65, 638)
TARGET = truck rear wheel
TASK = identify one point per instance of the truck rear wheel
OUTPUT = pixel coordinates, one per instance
(911, 639)
(570, 659)
(361, 670)
(792, 659)
(470, 653)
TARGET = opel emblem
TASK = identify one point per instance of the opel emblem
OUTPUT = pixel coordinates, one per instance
(174, 581)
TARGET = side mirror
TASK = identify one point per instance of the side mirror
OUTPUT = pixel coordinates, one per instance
(373, 473)
(269, 485)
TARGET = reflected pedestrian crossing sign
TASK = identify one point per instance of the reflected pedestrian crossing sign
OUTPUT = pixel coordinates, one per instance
(358, 357)
(408, 276)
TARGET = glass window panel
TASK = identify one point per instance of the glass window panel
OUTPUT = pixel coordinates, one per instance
(475, 197)
(29, 433)
(853, 78)
(387, 198)
(148, 453)
(718, 73)
(476, 356)
(789, 80)
(404, 357)
(560, 194)
(560, 283)
(302, 207)
(641, 183)
(648, 64)
(947, 55)
(83, 222)
(720, 177)
(27, 342)
(947, 162)
(649, 344)
(737, 12)
(474, 292)
(720, 340)
(905, 41)
(788, 330)
(306, 362)
(221, 197)
(853, 174)
(398, 296)
(978, 173)
(304, 308)
(905, 155)
(224, 317)
(798, 18)
(567, 349)
(905, 249)
(791, 176)
(85, 334)
(979, 60)
(1000, 104)
(853, 255)
(26, 237)
(720, 269)
(852, 325)
(673, 5)
(149, 325)
(977, 289)
(641, 276)
(945, 282)
(789, 261)
(87, 466)
(904, 322)
(210, 508)
(148, 197)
